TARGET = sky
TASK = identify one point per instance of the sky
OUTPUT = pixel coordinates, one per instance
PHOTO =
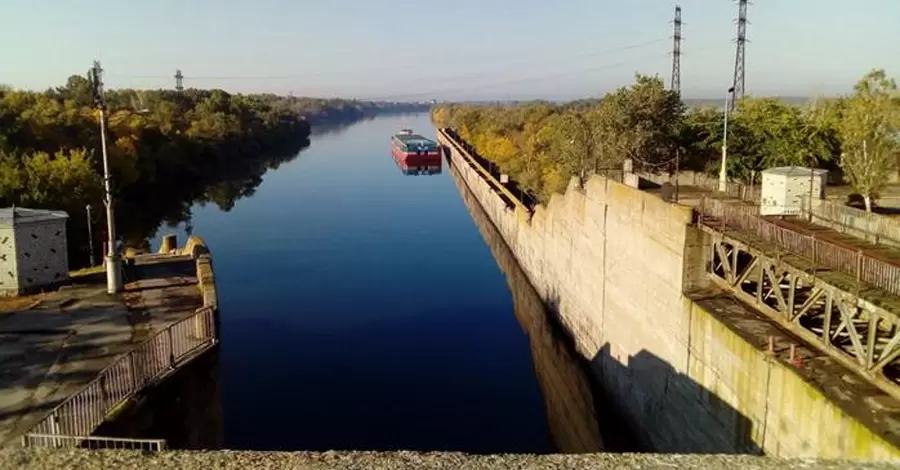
(446, 49)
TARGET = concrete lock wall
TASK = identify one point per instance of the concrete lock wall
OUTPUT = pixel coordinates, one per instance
(615, 263)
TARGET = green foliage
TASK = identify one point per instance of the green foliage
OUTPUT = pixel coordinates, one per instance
(166, 149)
(869, 126)
(542, 145)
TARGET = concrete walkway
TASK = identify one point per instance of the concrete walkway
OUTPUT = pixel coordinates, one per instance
(53, 349)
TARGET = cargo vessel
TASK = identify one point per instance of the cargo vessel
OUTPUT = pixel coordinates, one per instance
(413, 150)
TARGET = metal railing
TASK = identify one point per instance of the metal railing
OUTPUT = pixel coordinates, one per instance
(92, 442)
(865, 268)
(735, 190)
(83, 411)
(850, 220)
(486, 169)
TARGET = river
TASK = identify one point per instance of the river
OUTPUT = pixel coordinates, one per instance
(361, 308)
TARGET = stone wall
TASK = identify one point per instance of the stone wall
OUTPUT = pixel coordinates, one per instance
(615, 264)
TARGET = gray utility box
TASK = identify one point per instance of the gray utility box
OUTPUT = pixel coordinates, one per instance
(32, 250)
(785, 188)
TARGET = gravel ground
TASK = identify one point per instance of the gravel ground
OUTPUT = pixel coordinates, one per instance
(35, 458)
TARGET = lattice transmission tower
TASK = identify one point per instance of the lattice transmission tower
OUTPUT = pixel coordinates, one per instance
(179, 87)
(740, 59)
(676, 52)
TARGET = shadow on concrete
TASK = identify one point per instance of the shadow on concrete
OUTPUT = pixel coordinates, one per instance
(40, 370)
(669, 411)
(637, 404)
(579, 417)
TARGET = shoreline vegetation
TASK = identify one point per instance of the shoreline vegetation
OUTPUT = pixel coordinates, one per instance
(167, 151)
(542, 145)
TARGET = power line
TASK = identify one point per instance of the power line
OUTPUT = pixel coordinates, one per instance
(515, 81)
(399, 96)
(558, 59)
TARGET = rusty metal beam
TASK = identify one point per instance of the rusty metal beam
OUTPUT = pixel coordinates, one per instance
(860, 335)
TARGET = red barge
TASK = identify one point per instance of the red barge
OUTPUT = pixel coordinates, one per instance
(413, 150)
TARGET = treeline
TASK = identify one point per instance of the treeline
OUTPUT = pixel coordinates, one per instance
(542, 145)
(166, 150)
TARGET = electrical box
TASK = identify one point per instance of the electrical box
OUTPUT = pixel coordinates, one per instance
(33, 250)
(785, 188)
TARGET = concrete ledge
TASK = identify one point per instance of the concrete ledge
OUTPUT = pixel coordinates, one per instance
(35, 458)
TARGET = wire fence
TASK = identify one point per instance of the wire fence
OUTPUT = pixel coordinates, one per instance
(855, 262)
(92, 442)
(82, 412)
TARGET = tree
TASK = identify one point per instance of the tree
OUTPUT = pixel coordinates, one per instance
(640, 122)
(868, 130)
(77, 89)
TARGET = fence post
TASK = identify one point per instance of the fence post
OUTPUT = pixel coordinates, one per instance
(859, 256)
(104, 392)
(171, 349)
(702, 210)
(134, 373)
(722, 219)
(815, 258)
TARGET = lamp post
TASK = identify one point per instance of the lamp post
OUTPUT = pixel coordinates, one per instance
(112, 262)
(90, 234)
(723, 182)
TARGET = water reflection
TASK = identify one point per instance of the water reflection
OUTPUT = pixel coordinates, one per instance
(567, 391)
(417, 170)
(144, 208)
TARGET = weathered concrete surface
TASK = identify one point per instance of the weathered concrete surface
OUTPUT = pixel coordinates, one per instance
(48, 459)
(617, 265)
(574, 423)
(54, 348)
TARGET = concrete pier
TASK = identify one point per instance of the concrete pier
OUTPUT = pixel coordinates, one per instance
(70, 356)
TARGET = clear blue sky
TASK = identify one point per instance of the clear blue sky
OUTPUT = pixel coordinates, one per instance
(445, 49)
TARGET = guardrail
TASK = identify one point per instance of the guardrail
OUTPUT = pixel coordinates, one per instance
(92, 442)
(874, 228)
(490, 175)
(865, 268)
(83, 411)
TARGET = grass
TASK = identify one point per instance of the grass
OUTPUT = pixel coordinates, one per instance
(15, 304)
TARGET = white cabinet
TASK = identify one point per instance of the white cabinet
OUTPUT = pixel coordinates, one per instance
(785, 188)
(32, 250)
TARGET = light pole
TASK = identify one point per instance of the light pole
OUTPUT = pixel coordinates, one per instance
(90, 234)
(113, 264)
(723, 183)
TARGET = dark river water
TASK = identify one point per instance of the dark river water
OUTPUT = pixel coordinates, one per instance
(362, 308)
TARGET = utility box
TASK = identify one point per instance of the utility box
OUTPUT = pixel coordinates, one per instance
(32, 250)
(785, 188)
